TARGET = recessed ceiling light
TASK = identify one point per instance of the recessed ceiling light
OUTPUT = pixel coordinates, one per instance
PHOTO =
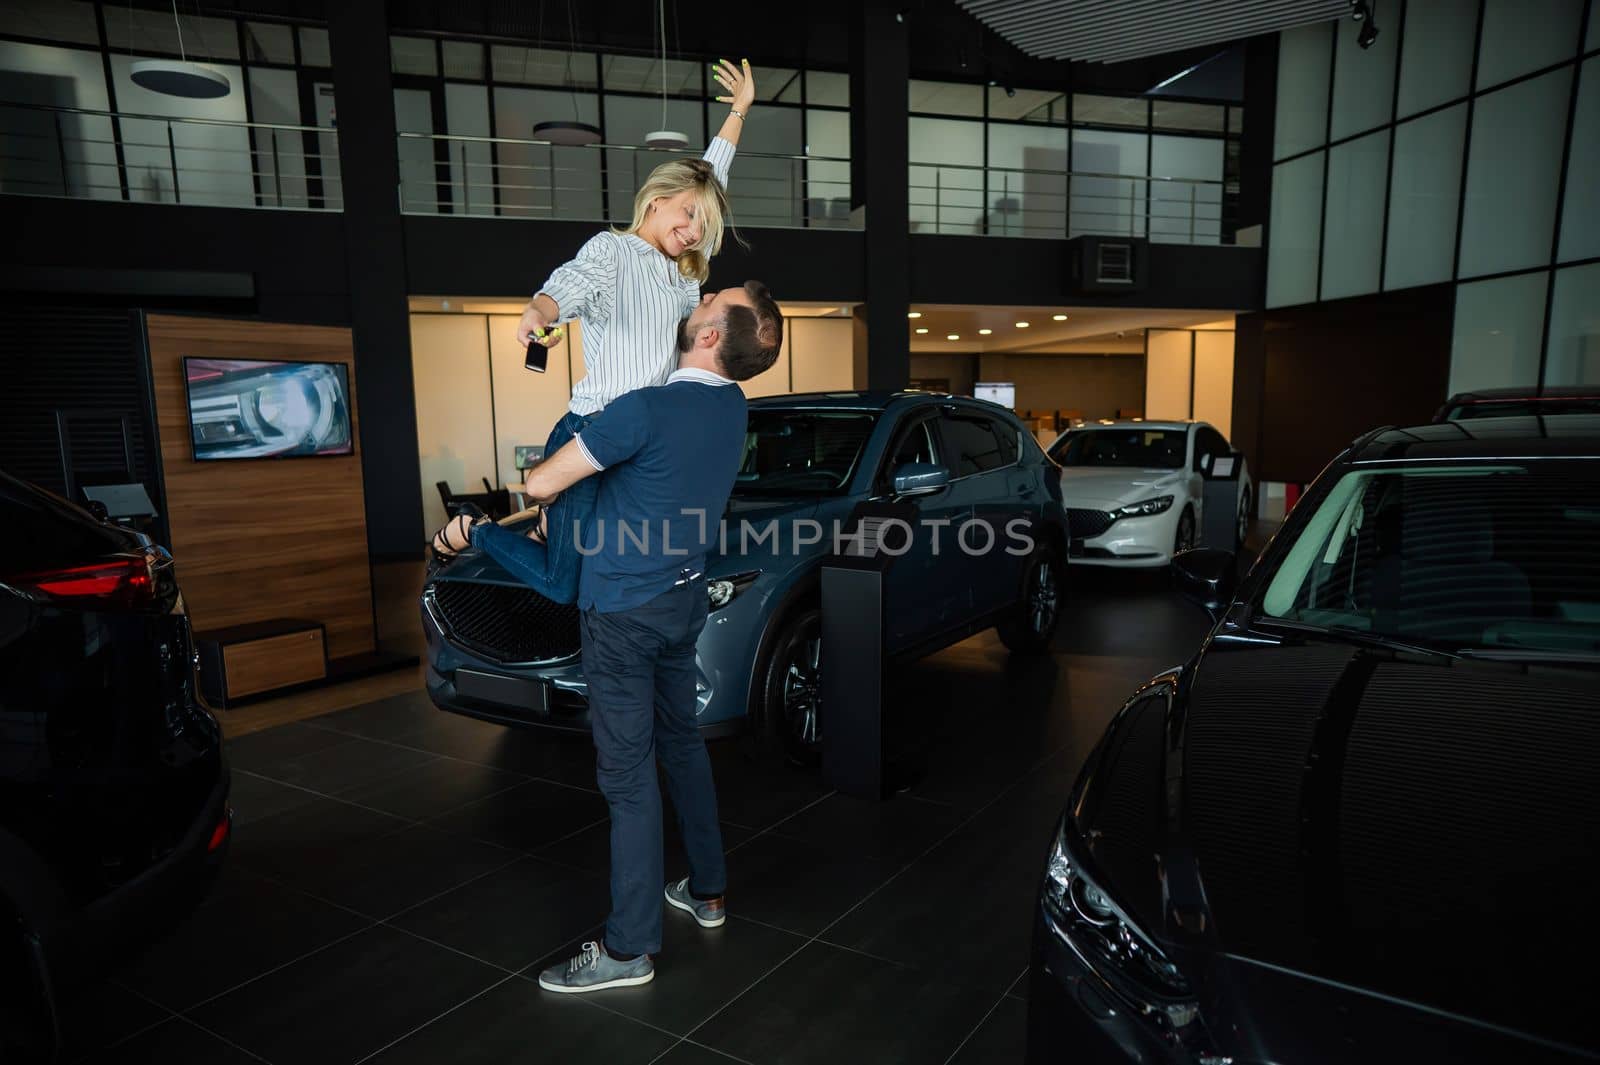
(923, 329)
(985, 332)
(1058, 317)
(953, 336)
(1022, 325)
(913, 314)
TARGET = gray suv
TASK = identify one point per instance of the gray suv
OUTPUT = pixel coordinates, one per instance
(988, 549)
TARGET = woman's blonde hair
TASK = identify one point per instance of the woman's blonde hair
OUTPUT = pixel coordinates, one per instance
(685, 175)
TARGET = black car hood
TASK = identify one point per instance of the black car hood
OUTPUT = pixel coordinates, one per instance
(1414, 826)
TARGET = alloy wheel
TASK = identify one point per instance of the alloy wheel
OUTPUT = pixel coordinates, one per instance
(1042, 597)
(802, 690)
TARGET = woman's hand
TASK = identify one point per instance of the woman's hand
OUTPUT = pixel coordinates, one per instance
(739, 81)
(534, 325)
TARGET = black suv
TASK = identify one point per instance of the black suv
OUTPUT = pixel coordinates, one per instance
(113, 786)
(1361, 823)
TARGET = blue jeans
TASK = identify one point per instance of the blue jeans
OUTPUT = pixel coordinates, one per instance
(640, 667)
(551, 569)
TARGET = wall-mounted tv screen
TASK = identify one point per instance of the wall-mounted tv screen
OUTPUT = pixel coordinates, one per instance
(1001, 392)
(267, 408)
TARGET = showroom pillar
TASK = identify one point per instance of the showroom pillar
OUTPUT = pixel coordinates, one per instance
(369, 167)
(879, 68)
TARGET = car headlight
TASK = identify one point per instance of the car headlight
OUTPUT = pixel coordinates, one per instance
(1089, 921)
(724, 590)
(1144, 508)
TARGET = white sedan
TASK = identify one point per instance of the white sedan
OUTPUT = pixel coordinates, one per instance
(1135, 491)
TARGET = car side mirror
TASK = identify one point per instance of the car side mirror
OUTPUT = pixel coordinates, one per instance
(919, 478)
(1205, 462)
(1206, 577)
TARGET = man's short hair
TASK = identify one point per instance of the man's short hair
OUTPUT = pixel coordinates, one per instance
(751, 336)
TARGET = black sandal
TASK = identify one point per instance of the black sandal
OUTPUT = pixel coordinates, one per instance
(535, 532)
(442, 551)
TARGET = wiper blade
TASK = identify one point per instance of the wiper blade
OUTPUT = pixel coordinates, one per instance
(1531, 654)
(1351, 634)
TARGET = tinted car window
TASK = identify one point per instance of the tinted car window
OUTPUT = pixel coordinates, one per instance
(1495, 556)
(973, 446)
(801, 452)
(1207, 441)
(1007, 438)
(1161, 449)
(44, 531)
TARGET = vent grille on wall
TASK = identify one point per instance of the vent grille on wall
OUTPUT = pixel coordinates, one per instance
(87, 364)
(1114, 264)
(1108, 264)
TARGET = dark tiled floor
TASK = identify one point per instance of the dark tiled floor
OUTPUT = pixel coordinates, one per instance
(398, 876)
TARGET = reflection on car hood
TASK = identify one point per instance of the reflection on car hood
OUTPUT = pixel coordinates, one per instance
(1423, 828)
(1105, 488)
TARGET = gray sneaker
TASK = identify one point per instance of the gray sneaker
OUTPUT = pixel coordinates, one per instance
(711, 913)
(594, 970)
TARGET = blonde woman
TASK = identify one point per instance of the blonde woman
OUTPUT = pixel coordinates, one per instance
(632, 289)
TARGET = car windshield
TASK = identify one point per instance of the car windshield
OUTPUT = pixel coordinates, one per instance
(1160, 449)
(1495, 558)
(801, 452)
(1516, 408)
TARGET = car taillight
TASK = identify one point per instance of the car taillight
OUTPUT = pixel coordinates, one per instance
(123, 581)
(219, 835)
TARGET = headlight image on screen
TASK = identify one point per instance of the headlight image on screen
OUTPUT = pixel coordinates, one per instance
(246, 408)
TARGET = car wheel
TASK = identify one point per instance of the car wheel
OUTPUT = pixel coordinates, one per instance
(1244, 520)
(27, 1019)
(1185, 536)
(1033, 620)
(788, 716)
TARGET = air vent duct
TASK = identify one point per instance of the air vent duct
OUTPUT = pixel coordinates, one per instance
(1109, 264)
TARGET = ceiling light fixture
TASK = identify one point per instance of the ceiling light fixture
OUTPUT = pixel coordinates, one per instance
(922, 329)
(953, 336)
(179, 77)
(664, 137)
(1022, 325)
(985, 332)
(576, 133)
(1058, 317)
(913, 314)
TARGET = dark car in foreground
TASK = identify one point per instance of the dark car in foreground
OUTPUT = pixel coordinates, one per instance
(500, 651)
(1361, 823)
(113, 787)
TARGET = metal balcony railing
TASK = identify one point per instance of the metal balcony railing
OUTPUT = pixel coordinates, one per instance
(1025, 202)
(510, 178)
(105, 155)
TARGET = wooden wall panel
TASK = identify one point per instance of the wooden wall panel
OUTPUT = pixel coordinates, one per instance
(262, 538)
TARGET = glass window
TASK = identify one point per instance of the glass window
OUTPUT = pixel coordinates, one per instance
(628, 73)
(1424, 194)
(1028, 105)
(540, 181)
(1491, 556)
(1580, 216)
(1353, 239)
(1027, 180)
(50, 20)
(828, 180)
(1363, 81)
(827, 89)
(419, 178)
(65, 77)
(916, 444)
(972, 443)
(1497, 332)
(1133, 111)
(1519, 37)
(1512, 175)
(1304, 56)
(464, 60)
(1295, 238)
(1006, 437)
(774, 84)
(1574, 348)
(314, 51)
(1235, 121)
(762, 191)
(1150, 449)
(1436, 65)
(801, 453)
(944, 98)
(208, 163)
(1174, 114)
(269, 42)
(628, 120)
(946, 198)
(1593, 41)
(542, 66)
(1186, 211)
(466, 110)
(137, 30)
(1109, 205)
(280, 161)
(413, 55)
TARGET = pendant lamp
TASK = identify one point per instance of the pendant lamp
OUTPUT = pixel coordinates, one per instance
(179, 77)
(664, 137)
(574, 133)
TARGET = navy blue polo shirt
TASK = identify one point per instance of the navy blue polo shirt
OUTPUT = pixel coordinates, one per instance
(669, 456)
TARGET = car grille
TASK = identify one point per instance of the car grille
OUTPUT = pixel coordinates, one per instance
(507, 623)
(1087, 524)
